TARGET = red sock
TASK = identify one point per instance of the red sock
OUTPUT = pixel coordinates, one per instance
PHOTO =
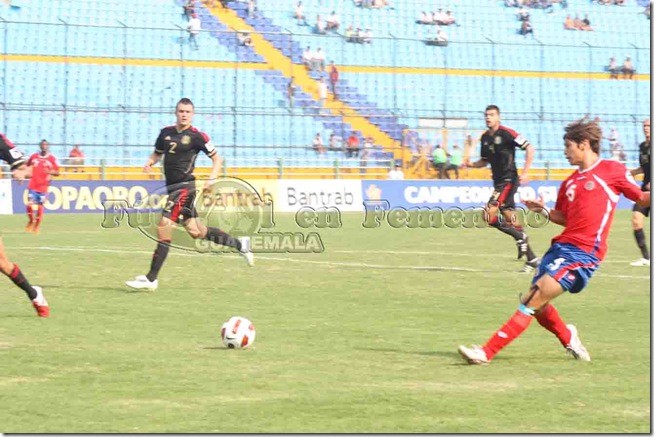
(511, 330)
(29, 212)
(549, 319)
(39, 215)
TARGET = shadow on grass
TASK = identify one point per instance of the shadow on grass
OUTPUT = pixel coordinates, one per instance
(437, 353)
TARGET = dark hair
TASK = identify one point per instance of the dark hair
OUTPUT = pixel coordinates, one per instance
(492, 108)
(184, 101)
(584, 129)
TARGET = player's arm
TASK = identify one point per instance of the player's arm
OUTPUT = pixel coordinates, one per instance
(483, 162)
(55, 168)
(155, 157)
(625, 184)
(538, 205)
(217, 162)
(529, 158)
(637, 171)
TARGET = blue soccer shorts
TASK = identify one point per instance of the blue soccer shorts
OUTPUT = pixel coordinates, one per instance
(568, 265)
(36, 197)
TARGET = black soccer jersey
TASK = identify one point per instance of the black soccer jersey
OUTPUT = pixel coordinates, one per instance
(181, 150)
(643, 159)
(10, 154)
(499, 150)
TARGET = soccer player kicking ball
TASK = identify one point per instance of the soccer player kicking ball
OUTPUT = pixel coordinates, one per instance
(12, 156)
(584, 207)
(44, 166)
(180, 144)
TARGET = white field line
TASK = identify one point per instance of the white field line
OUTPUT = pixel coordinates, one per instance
(127, 250)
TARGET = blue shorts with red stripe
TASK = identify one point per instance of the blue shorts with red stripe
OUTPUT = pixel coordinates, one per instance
(36, 197)
(568, 265)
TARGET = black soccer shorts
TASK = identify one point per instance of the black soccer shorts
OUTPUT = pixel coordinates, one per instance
(504, 194)
(180, 205)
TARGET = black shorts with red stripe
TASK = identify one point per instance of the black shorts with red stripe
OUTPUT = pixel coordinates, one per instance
(503, 195)
(180, 205)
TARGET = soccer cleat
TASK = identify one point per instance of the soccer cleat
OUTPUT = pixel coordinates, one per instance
(142, 283)
(474, 355)
(28, 228)
(523, 245)
(575, 348)
(530, 265)
(40, 304)
(245, 250)
(643, 262)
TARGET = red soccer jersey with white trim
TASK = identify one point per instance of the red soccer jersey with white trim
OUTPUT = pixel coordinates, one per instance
(41, 166)
(588, 199)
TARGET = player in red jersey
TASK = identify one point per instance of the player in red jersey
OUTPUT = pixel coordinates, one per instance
(12, 156)
(585, 207)
(44, 167)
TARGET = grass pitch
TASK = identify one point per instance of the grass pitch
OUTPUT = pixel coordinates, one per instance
(361, 338)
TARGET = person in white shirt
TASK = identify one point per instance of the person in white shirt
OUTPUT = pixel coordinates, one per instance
(440, 18)
(307, 57)
(299, 14)
(193, 28)
(322, 92)
(425, 18)
(318, 60)
(366, 37)
(320, 26)
(333, 21)
(396, 174)
(441, 36)
(317, 144)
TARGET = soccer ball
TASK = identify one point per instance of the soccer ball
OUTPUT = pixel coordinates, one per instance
(237, 333)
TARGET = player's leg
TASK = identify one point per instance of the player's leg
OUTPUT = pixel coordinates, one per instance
(13, 272)
(637, 223)
(31, 209)
(39, 200)
(540, 294)
(164, 236)
(197, 229)
(524, 248)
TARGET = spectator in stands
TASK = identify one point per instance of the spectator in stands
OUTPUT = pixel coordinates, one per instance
(396, 174)
(425, 18)
(523, 14)
(318, 60)
(613, 138)
(322, 93)
(366, 152)
(353, 145)
(320, 26)
(377, 4)
(569, 23)
(586, 24)
(307, 58)
(252, 8)
(333, 78)
(439, 18)
(299, 14)
(193, 28)
(628, 68)
(334, 145)
(349, 34)
(449, 19)
(456, 158)
(647, 11)
(441, 37)
(579, 25)
(333, 22)
(366, 36)
(245, 39)
(511, 3)
(613, 68)
(526, 29)
(290, 91)
(188, 9)
(318, 146)
(76, 158)
(440, 161)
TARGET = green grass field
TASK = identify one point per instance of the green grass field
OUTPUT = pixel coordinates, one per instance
(361, 338)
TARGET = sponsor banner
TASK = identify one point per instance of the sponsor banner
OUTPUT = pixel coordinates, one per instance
(88, 196)
(345, 195)
(6, 201)
(462, 194)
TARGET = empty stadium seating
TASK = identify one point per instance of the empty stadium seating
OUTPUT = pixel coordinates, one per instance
(115, 108)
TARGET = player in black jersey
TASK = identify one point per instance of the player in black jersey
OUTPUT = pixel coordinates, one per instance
(19, 171)
(180, 144)
(498, 146)
(640, 212)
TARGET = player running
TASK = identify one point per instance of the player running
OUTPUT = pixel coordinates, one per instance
(640, 213)
(44, 167)
(12, 156)
(498, 145)
(180, 144)
(584, 207)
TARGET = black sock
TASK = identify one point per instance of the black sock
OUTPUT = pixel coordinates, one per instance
(530, 253)
(158, 258)
(222, 238)
(642, 244)
(17, 278)
(508, 229)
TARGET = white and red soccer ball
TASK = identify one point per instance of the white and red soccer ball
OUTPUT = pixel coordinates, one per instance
(237, 333)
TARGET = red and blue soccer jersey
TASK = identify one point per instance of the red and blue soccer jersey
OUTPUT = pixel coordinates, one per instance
(588, 199)
(41, 168)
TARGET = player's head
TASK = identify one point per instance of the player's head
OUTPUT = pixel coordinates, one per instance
(582, 138)
(184, 112)
(44, 146)
(492, 115)
(646, 128)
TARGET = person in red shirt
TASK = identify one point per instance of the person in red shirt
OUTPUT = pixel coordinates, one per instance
(584, 207)
(76, 157)
(44, 166)
(333, 78)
